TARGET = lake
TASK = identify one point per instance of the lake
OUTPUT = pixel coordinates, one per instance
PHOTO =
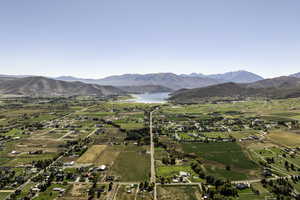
(150, 98)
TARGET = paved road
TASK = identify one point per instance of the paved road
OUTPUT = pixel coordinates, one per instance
(153, 175)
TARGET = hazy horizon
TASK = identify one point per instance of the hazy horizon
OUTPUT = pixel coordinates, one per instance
(96, 39)
(98, 77)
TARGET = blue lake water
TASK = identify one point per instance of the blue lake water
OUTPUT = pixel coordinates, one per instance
(150, 98)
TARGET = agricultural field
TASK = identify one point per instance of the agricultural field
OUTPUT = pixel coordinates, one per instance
(3, 195)
(230, 154)
(285, 138)
(171, 171)
(126, 192)
(179, 193)
(51, 194)
(92, 154)
(132, 166)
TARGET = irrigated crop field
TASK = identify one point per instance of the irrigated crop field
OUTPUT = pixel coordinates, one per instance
(225, 153)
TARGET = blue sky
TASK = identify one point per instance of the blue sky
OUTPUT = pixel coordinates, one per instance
(96, 38)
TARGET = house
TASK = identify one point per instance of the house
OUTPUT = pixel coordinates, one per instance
(59, 190)
(69, 163)
(35, 190)
(267, 173)
(110, 178)
(183, 174)
(242, 186)
(101, 168)
(14, 152)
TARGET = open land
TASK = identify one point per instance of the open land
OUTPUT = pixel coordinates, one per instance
(79, 147)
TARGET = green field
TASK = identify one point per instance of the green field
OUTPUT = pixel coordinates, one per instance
(3, 195)
(49, 194)
(132, 166)
(226, 153)
(225, 174)
(170, 171)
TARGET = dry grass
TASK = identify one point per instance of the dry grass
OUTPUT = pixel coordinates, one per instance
(179, 193)
(124, 195)
(91, 155)
(285, 138)
(107, 157)
(257, 145)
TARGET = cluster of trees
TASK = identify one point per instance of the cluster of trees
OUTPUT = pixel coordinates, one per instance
(289, 166)
(42, 164)
(169, 160)
(97, 190)
(146, 186)
(140, 135)
(282, 187)
(8, 176)
(224, 190)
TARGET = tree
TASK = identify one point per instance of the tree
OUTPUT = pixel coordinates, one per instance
(110, 186)
(228, 168)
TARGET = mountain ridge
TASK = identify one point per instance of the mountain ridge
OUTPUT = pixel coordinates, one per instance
(280, 87)
(41, 86)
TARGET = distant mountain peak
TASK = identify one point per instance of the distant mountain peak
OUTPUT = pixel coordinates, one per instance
(297, 75)
(240, 76)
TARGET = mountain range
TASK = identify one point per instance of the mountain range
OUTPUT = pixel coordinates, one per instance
(281, 87)
(171, 80)
(195, 85)
(235, 77)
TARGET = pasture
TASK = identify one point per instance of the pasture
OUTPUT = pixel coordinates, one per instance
(107, 157)
(229, 153)
(286, 138)
(132, 166)
(126, 192)
(225, 174)
(170, 171)
(3, 195)
(179, 193)
(91, 155)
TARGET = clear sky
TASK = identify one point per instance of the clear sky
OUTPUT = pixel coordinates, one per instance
(96, 38)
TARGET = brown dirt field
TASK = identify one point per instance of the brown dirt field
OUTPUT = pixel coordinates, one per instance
(285, 138)
(79, 192)
(107, 157)
(92, 154)
(27, 145)
(179, 193)
(257, 145)
(144, 196)
(38, 142)
(124, 195)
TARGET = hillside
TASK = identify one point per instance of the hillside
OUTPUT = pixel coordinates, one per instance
(282, 87)
(283, 82)
(40, 86)
(222, 90)
(145, 89)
